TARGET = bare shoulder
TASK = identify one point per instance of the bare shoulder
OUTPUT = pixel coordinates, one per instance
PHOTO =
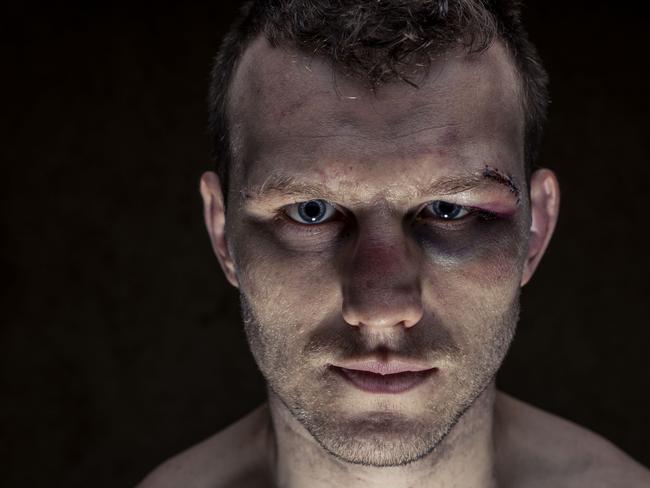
(538, 449)
(234, 457)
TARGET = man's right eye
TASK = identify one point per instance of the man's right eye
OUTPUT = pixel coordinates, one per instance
(310, 212)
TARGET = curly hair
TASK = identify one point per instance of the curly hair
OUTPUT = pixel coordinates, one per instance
(378, 41)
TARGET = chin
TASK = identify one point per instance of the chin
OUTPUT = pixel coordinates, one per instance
(380, 439)
(384, 433)
(380, 442)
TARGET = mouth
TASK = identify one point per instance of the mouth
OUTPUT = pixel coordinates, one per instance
(386, 383)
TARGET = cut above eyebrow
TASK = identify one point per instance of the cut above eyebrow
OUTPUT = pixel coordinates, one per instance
(456, 184)
(277, 184)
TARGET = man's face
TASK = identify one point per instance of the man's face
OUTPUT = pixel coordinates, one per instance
(344, 251)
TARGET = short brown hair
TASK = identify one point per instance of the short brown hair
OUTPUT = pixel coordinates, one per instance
(377, 40)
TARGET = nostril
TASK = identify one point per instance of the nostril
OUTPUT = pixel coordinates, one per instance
(387, 310)
(410, 323)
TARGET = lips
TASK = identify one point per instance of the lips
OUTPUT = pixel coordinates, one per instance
(384, 377)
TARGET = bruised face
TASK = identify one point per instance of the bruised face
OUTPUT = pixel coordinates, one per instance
(379, 241)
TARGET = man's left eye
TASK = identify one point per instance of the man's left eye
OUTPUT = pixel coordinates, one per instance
(446, 211)
(310, 212)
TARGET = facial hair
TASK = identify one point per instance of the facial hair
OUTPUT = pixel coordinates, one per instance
(293, 363)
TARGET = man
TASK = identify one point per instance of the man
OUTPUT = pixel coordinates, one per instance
(375, 204)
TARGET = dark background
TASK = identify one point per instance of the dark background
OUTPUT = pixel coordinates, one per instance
(120, 341)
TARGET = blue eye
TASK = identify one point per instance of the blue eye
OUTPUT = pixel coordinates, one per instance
(446, 211)
(310, 212)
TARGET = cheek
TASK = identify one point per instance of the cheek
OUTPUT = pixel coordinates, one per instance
(289, 295)
(472, 278)
(289, 289)
(489, 251)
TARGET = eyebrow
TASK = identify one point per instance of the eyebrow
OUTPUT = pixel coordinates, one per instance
(287, 185)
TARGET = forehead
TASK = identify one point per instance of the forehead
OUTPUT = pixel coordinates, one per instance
(298, 112)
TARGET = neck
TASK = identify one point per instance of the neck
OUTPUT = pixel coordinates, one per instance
(465, 457)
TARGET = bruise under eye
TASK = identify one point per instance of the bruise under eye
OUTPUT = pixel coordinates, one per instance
(478, 235)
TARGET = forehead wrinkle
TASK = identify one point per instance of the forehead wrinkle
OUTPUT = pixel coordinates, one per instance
(368, 138)
(280, 131)
(390, 124)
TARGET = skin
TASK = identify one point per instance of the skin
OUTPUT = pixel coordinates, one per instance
(385, 277)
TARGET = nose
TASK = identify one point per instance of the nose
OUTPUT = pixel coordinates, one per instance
(381, 286)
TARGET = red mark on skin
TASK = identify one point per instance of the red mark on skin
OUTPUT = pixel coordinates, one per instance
(379, 258)
(450, 137)
(504, 179)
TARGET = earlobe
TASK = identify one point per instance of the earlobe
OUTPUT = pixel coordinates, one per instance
(215, 223)
(544, 209)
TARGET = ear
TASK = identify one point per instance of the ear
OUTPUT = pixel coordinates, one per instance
(544, 208)
(215, 221)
